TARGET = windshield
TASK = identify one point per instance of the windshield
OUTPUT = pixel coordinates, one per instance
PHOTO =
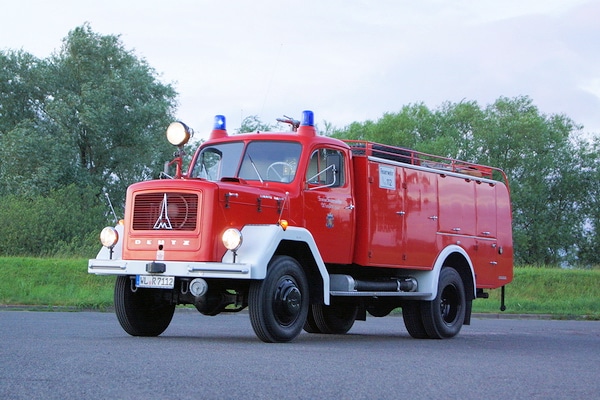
(218, 161)
(262, 161)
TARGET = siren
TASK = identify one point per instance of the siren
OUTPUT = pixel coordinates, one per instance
(219, 128)
(307, 127)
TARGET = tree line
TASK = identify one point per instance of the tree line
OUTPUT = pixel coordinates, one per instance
(89, 120)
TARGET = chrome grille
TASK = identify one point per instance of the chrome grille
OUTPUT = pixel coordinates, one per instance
(167, 211)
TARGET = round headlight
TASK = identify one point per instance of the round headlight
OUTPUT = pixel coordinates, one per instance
(178, 133)
(232, 239)
(109, 237)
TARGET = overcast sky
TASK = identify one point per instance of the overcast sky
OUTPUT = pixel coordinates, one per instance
(345, 60)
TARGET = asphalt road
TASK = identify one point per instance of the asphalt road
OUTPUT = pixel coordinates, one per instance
(86, 355)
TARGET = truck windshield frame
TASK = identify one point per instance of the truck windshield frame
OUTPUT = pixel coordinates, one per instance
(259, 160)
(218, 161)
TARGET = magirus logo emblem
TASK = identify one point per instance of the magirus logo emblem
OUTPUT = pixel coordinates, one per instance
(163, 221)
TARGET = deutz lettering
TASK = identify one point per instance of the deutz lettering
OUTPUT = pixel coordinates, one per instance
(173, 242)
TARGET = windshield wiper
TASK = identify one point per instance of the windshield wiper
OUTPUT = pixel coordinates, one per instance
(255, 169)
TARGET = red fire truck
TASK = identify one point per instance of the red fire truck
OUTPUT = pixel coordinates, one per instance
(309, 232)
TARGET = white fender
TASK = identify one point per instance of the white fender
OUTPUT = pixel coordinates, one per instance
(259, 245)
(428, 280)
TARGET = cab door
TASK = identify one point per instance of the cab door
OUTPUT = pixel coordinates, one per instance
(328, 204)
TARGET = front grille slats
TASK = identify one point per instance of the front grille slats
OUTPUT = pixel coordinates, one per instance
(170, 211)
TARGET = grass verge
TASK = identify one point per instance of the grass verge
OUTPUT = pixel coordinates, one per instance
(561, 293)
(53, 282)
(37, 282)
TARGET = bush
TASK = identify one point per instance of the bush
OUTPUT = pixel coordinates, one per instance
(65, 222)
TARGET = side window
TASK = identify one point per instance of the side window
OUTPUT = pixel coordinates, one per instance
(325, 169)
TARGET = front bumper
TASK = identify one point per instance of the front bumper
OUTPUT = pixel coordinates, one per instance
(172, 268)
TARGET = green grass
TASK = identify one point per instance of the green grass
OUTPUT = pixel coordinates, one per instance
(53, 282)
(36, 282)
(557, 292)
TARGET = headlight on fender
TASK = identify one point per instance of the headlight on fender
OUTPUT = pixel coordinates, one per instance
(109, 237)
(232, 239)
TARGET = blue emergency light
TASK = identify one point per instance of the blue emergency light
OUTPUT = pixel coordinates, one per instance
(308, 118)
(219, 122)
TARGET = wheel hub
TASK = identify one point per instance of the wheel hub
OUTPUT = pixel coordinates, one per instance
(287, 301)
(449, 304)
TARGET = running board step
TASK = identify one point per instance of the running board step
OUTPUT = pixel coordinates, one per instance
(355, 293)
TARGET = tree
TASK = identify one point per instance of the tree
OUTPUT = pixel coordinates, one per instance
(538, 154)
(590, 180)
(87, 120)
(400, 129)
(93, 115)
(252, 123)
(34, 159)
(22, 88)
(22, 96)
(112, 108)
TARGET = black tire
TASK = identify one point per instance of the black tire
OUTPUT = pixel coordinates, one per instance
(381, 307)
(310, 325)
(278, 305)
(334, 319)
(143, 312)
(444, 316)
(413, 321)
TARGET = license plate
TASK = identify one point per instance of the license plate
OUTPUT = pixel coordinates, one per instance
(152, 281)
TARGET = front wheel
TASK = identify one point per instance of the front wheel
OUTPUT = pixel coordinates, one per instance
(278, 305)
(444, 316)
(142, 312)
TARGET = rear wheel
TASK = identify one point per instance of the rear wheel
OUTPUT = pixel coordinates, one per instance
(444, 316)
(335, 319)
(413, 321)
(310, 325)
(278, 305)
(143, 312)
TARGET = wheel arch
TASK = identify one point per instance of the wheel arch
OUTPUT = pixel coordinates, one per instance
(262, 242)
(461, 263)
(452, 256)
(301, 252)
